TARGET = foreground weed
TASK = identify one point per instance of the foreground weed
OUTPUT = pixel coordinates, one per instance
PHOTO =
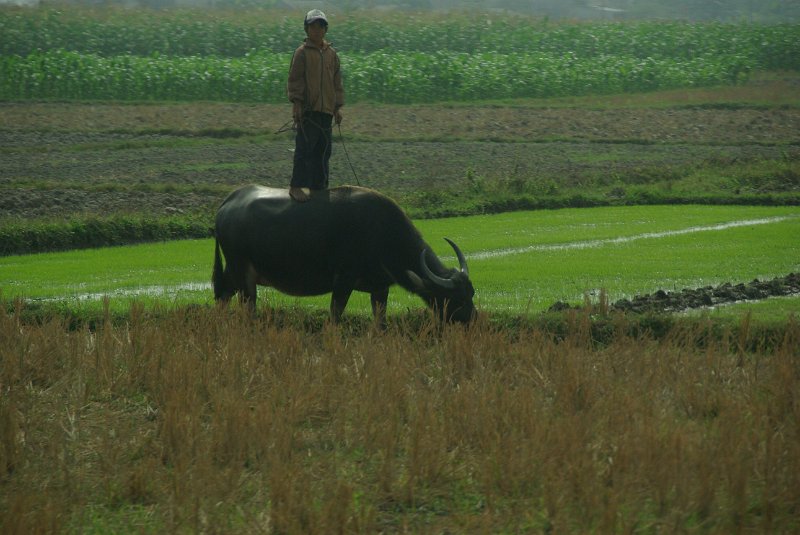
(210, 420)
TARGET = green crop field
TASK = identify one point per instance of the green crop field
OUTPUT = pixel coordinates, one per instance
(52, 54)
(520, 262)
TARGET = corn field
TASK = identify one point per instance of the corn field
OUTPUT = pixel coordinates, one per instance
(184, 55)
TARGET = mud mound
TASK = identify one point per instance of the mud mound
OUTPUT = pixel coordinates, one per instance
(708, 296)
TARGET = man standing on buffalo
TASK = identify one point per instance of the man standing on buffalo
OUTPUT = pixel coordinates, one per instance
(317, 94)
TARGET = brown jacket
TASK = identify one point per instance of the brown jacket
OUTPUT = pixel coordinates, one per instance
(315, 78)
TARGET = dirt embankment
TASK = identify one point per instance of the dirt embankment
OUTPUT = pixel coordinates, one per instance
(708, 296)
(77, 158)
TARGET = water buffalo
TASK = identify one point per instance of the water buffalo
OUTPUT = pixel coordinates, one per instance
(343, 239)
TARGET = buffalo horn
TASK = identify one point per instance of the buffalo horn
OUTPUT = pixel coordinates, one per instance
(461, 260)
(431, 276)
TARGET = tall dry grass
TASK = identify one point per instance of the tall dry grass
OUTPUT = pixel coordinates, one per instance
(203, 420)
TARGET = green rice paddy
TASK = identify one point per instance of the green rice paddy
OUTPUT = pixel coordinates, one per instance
(519, 262)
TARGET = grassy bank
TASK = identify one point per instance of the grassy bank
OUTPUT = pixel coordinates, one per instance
(97, 231)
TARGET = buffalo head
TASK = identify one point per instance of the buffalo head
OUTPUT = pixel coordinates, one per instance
(450, 292)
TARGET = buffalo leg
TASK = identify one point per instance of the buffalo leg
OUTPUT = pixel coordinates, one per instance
(339, 301)
(249, 291)
(342, 288)
(379, 300)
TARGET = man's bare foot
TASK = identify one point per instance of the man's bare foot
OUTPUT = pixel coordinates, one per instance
(299, 194)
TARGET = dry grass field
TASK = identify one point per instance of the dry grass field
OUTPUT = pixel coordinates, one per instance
(209, 421)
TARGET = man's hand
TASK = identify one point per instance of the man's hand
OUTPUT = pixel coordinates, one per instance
(297, 111)
(337, 116)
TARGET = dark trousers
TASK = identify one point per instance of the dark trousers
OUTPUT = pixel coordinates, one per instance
(312, 151)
